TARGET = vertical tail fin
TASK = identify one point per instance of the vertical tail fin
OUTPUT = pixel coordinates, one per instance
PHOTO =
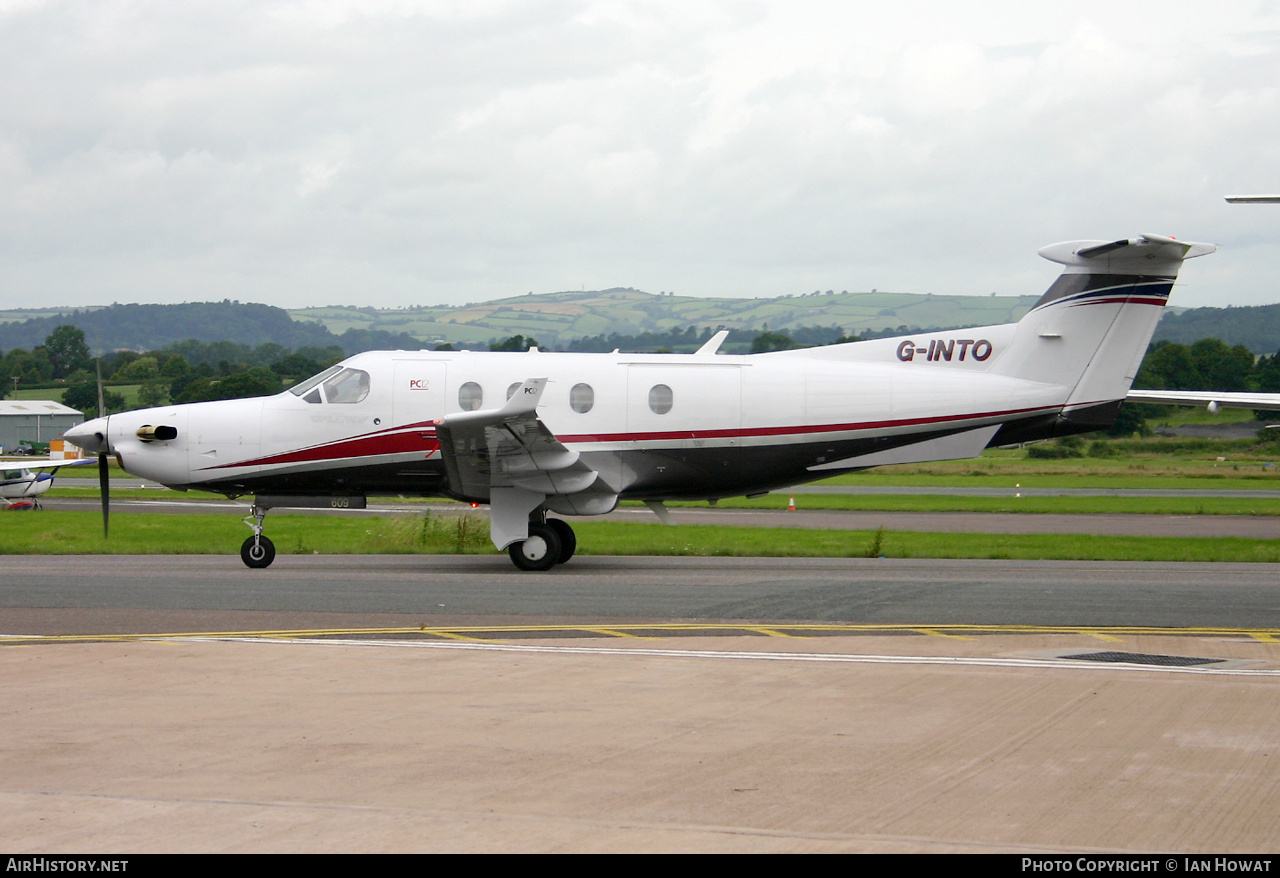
(1090, 330)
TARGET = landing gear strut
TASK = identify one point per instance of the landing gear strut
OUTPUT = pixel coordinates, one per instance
(551, 541)
(257, 551)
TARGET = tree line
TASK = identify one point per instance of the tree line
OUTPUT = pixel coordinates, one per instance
(186, 371)
(195, 371)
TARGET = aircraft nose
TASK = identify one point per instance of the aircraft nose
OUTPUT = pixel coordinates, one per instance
(91, 436)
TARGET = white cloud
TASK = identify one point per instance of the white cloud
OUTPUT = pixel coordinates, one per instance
(401, 152)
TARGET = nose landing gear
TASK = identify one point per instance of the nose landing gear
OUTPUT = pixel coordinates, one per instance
(257, 551)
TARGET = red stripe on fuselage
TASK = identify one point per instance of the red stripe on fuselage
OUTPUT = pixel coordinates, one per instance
(413, 438)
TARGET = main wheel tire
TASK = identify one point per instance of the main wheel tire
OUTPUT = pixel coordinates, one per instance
(258, 552)
(568, 539)
(540, 551)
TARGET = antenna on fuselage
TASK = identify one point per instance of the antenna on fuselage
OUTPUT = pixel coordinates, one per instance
(712, 345)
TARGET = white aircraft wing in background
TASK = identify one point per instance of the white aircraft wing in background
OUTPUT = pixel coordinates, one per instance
(20, 486)
(1211, 399)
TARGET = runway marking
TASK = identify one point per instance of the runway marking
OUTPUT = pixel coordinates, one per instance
(614, 632)
(836, 658)
(654, 630)
(934, 632)
(449, 635)
(1110, 638)
(771, 631)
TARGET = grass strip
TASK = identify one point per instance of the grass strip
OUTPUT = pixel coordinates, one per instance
(1203, 477)
(1031, 505)
(139, 533)
(869, 503)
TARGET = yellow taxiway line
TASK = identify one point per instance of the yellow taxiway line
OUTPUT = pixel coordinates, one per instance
(660, 629)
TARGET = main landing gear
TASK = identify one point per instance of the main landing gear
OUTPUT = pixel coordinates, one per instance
(551, 541)
(257, 551)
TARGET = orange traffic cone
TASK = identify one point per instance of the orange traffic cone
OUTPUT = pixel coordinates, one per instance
(791, 503)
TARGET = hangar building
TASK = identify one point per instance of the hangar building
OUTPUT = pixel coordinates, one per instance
(34, 420)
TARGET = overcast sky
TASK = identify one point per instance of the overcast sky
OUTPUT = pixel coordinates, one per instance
(389, 152)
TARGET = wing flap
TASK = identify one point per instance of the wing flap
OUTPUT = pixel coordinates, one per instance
(509, 448)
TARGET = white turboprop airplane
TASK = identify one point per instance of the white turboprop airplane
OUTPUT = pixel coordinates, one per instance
(21, 488)
(573, 434)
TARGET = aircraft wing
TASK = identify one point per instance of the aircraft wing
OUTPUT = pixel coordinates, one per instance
(1212, 399)
(49, 462)
(509, 447)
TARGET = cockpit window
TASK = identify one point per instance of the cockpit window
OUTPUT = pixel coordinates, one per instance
(336, 384)
(349, 385)
(301, 389)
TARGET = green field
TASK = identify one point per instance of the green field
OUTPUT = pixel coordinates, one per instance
(57, 533)
(883, 502)
(128, 391)
(556, 318)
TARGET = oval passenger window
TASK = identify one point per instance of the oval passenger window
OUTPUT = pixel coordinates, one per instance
(660, 399)
(582, 398)
(470, 396)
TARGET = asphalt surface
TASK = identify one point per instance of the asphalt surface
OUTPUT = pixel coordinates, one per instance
(433, 704)
(435, 588)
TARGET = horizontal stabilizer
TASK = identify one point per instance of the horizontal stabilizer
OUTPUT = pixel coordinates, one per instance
(1145, 254)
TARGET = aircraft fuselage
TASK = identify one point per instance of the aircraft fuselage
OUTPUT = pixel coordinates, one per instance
(653, 427)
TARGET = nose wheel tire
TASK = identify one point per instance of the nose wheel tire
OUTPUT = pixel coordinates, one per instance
(541, 551)
(257, 552)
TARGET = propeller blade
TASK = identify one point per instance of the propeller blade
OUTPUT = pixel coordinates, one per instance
(104, 484)
(102, 411)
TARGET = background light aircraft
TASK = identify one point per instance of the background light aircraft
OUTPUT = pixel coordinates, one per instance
(1214, 400)
(21, 488)
(573, 434)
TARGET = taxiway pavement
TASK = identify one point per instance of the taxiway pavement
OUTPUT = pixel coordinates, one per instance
(412, 703)
(852, 590)
(873, 743)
